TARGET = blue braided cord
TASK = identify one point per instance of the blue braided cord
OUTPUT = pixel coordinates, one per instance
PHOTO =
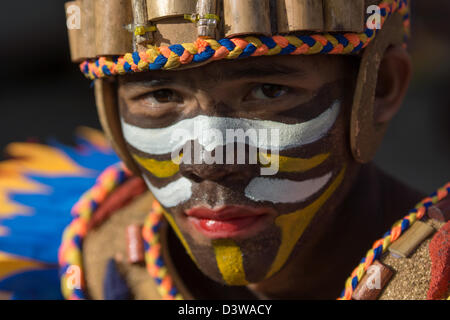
(308, 40)
(327, 48)
(342, 40)
(377, 252)
(248, 51)
(369, 32)
(205, 55)
(178, 49)
(358, 47)
(159, 262)
(94, 205)
(428, 204)
(127, 67)
(269, 42)
(288, 49)
(354, 282)
(160, 61)
(106, 70)
(136, 57)
(227, 43)
(77, 240)
(173, 291)
(405, 224)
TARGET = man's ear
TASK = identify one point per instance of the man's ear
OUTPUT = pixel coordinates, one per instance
(394, 77)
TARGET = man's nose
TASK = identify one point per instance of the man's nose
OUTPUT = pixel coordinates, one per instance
(226, 173)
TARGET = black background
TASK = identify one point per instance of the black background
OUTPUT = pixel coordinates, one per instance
(42, 94)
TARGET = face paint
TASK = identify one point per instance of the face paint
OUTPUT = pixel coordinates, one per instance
(180, 236)
(229, 261)
(294, 224)
(283, 190)
(228, 257)
(290, 164)
(160, 169)
(161, 141)
(173, 194)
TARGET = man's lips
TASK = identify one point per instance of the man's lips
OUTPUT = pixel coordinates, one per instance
(228, 221)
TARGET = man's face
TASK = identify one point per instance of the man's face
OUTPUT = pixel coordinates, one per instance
(239, 224)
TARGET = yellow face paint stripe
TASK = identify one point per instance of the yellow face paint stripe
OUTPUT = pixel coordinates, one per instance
(167, 169)
(294, 224)
(289, 164)
(229, 261)
(160, 169)
(180, 236)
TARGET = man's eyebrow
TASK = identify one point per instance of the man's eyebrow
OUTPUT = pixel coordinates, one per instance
(250, 71)
(262, 71)
(151, 83)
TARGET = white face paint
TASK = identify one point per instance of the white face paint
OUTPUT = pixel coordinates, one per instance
(283, 190)
(174, 193)
(162, 141)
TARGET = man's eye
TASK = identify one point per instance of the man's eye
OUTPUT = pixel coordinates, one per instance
(269, 91)
(163, 96)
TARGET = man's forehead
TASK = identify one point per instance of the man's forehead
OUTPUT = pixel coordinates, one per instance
(256, 68)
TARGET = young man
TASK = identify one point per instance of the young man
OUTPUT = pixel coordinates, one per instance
(292, 206)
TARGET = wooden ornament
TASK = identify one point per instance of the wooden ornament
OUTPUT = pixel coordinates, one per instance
(140, 19)
(299, 15)
(206, 26)
(135, 244)
(161, 9)
(111, 17)
(411, 239)
(366, 135)
(87, 29)
(175, 30)
(73, 18)
(247, 17)
(440, 211)
(373, 282)
(344, 15)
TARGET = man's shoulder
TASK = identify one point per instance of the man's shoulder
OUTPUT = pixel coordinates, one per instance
(412, 260)
(107, 241)
(418, 276)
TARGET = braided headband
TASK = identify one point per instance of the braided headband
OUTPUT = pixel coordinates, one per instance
(207, 50)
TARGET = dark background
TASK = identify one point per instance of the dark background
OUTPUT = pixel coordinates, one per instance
(42, 94)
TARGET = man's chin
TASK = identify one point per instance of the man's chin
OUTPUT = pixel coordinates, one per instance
(237, 261)
(232, 279)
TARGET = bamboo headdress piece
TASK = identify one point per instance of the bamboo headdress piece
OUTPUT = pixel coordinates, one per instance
(118, 37)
